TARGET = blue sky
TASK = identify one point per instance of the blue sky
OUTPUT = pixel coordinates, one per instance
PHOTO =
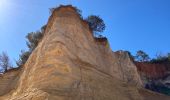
(131, 24)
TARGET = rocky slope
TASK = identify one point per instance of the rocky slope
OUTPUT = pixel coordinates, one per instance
(68, 64)
(9, 81)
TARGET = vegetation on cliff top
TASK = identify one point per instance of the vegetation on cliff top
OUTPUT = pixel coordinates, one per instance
(33, 40)
(141, 56)
(162, 61)
(5, 63)
(96, 24)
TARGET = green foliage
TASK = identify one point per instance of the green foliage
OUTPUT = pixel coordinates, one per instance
(141, 56)
(5, 61)
(161, 58)
(23, 57)
(33, 39)
(96, 24)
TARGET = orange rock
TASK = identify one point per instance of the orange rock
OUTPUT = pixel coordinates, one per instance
(69, 65)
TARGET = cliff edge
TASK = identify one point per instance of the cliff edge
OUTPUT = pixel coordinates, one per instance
(68, 64)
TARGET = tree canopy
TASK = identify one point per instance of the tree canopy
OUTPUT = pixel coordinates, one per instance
(142, 56)
(23, 57)
(33, 38)
(96, 24)
(5, 61)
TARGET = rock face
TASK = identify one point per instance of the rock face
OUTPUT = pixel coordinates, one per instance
(126, 68)
(153, 71)
(69, 65)
(8, 81)
(159, 72)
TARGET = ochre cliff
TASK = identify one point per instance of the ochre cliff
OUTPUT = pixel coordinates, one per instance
(152, 71)
(68, 64)
(9, 80)
(126, 68)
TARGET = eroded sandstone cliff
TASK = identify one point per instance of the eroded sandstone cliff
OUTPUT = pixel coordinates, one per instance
(152, 71)
(68, 64)
(9, 80)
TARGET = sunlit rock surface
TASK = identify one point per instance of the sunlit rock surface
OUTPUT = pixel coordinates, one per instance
(9, 81)
(69, 65)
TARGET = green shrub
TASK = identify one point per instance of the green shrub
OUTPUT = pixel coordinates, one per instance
(5, 63)
(161, 59)
(33, 40)
(96, 24)
(141, 56)
(23, 57)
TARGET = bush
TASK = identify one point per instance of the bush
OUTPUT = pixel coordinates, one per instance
(96, 24)
(161, 59)
(23, 57)
(33, 39)
(5, 61)
(141, 56)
